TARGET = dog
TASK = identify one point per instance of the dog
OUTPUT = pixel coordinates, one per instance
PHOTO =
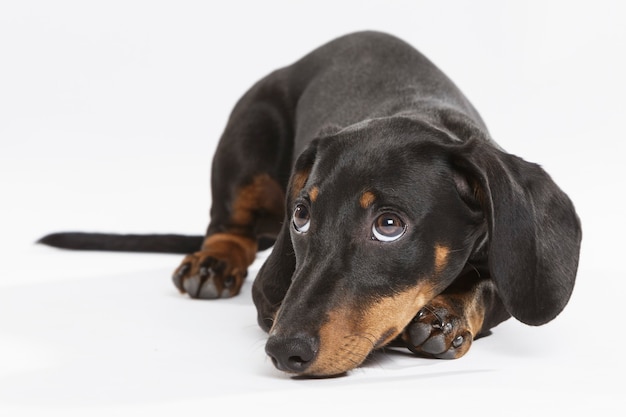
(394, 217)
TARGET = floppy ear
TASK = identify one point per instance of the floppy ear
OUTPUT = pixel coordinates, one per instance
(534, 234)
(300, 173)
(274, 277)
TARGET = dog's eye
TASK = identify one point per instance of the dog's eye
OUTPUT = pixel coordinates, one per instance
(301, 218)
(388, 227)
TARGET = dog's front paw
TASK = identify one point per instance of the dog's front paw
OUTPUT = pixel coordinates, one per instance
(218, 270)
(438, 331)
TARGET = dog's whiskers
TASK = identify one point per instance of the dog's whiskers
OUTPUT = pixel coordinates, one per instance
(434, 313)
(475, 269)
(371, 339)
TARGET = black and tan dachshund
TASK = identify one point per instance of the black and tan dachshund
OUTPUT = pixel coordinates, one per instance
(395, 218)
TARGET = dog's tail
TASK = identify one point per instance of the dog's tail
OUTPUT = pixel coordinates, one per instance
(158, 243)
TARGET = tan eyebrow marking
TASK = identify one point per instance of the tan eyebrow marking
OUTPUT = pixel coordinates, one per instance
(367, 199)
(314, 192)
(298, 182)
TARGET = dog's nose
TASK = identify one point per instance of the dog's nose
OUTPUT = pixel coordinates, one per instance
(292, 353)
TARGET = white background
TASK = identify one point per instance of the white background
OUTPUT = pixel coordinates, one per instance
(109, 114)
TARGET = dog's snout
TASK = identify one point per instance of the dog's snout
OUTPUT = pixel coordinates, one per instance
(292, 353)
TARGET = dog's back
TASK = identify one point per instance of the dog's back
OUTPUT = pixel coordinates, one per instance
(359, 77)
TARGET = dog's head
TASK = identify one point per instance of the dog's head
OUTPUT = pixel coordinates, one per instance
(386, 215)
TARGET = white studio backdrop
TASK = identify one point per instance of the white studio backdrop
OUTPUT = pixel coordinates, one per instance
(109, 115)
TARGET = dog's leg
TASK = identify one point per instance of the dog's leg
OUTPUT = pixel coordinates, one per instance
(447, 325)
(249, 176)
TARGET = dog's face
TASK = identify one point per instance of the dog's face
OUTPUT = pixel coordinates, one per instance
(376, 234)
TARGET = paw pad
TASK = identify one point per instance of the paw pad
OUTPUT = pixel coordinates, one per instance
(438, 332)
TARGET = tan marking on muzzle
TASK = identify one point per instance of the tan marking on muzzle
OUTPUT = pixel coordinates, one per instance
(352, 332)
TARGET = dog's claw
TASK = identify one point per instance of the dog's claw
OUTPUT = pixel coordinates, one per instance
(229, 281)
(192, 285)
(419, 315)
(179, 274)
(208, 291)
(458, 341)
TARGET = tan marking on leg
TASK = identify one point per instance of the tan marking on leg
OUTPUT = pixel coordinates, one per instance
(475, 309)
(441, 257)
(367, 199)
(241, 248)
(235, 252)
(351, 333)
(475, 318)
(472, 313)
(263, 194)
